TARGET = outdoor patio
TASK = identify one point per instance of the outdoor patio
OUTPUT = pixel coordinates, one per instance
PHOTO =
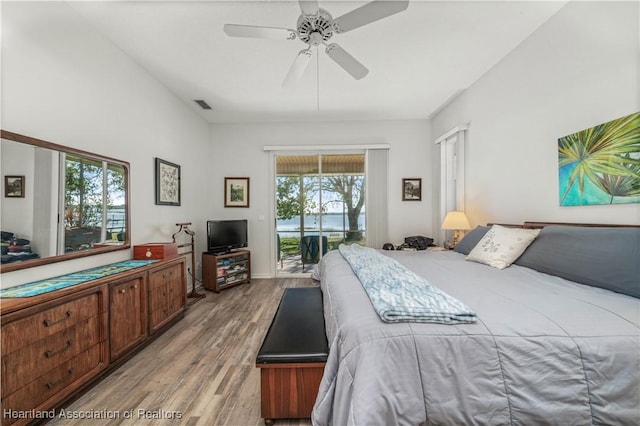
(291, 253)
(292, 264)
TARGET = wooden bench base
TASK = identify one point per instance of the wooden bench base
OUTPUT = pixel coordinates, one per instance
(289, 391)
(293, 355)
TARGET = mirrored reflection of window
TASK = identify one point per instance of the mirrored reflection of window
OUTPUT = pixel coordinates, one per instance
(116, 214)
(94, 203)
(83, 203)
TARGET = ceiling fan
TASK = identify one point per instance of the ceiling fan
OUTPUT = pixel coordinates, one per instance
(316, 26)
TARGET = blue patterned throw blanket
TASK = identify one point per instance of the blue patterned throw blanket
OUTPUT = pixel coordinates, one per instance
(398, 294)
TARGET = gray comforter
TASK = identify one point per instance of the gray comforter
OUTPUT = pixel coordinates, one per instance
(544, 351)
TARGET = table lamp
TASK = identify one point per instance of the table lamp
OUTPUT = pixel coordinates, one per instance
(456, 221)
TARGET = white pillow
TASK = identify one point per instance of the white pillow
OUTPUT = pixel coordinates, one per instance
(501, 246)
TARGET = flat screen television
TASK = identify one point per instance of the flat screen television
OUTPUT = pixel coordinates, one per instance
(226, 235)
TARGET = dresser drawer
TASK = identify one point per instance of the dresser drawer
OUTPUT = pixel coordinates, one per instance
(29, 329)
(173, 273)
(30, 362)
(58, 382)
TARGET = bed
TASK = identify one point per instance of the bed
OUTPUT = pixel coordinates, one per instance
(544, 349)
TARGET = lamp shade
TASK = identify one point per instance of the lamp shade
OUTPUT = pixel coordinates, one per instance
(456, 221)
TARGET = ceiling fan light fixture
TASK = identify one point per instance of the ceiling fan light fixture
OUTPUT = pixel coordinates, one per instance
(315, 29)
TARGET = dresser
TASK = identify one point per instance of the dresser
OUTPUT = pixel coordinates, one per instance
(58, 343)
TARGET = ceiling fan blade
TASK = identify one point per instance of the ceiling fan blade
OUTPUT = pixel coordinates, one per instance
(253, 31)
(370, 12)
(346, 61)
(308, 7)
(297, 69)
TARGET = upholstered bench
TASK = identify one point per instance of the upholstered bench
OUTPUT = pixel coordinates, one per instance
(293, 356)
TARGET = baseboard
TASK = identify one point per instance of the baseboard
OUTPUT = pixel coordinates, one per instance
(261, 276)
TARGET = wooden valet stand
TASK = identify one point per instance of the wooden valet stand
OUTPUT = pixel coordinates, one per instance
(184, 227)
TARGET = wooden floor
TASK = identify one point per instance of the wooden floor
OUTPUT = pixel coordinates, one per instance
(203, 368)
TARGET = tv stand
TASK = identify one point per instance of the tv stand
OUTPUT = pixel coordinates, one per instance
(221, 252)
(223, 270)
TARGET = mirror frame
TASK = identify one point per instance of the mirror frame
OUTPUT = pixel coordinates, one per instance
(16, 137)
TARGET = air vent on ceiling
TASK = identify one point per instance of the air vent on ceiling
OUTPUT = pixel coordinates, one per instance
(202, 104)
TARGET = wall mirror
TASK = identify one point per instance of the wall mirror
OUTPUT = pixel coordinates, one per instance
(59, 203)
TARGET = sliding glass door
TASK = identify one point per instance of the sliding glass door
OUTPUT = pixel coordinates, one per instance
(320, 203)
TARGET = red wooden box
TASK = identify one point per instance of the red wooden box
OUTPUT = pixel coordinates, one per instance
(155, 251)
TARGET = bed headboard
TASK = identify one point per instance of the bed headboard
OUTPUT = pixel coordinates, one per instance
(539, 225)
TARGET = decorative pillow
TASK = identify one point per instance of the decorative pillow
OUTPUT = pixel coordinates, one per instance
(469, 241)
(501, 246)
(599, 257)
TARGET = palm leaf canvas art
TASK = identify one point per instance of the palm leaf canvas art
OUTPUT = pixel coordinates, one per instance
(601, 165)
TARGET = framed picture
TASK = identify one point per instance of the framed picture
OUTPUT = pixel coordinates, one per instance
(167, 183)
(412, 189)
(236, 192)
(599, 165)
(14, 186)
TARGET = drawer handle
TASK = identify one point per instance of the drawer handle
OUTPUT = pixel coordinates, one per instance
(122, 291)
(49, 323)
(49, 354)
(51, 385)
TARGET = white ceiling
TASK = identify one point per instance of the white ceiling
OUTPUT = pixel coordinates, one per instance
(418, 59)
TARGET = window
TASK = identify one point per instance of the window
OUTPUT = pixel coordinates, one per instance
(320, 204)
(452, 175)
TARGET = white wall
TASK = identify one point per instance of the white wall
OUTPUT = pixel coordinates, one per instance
(578, 70)
(30, 217)
(63, 82)
(17, 213)
(237, 151)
